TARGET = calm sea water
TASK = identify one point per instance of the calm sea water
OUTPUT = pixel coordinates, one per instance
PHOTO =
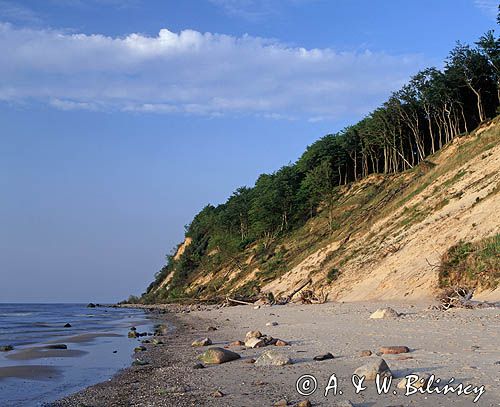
(99, 356)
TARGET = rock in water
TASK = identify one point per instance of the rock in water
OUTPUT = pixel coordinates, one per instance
(273, 358)
(383, 313)
(370, 370)
(216, 356)
(255, 343)
(202, 342)
(132, 334)
(393, 350)
(68, 325)
(56, 346)
(6, 348)
(90, 305)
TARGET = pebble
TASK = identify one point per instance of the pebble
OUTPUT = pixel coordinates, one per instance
(217, 393)
(365, 353)
(393, 350)
(281, 342)
(304, 403)
(326, 356)
(255, 343)
(199, 366)
(202, 342)
(272, 323)
(281, 403)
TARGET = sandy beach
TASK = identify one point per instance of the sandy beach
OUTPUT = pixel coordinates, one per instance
(458, 343)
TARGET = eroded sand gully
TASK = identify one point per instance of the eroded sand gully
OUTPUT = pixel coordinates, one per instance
(460, 343)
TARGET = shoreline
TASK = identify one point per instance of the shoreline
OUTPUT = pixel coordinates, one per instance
(457, 343)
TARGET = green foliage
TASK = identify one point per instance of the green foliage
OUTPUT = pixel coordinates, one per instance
(472, 265)
(332, 275)
(434, 107)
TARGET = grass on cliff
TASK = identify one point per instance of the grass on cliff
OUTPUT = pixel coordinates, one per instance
(472, 265)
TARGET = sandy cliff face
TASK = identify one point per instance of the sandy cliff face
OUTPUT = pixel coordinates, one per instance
(390, 231)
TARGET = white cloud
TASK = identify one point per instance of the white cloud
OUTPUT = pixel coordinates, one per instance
(488, 7)
(194, 73)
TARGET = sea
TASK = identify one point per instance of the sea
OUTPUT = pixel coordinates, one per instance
(97, 344)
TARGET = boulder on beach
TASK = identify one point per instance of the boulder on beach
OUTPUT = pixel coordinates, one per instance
(370, 370)
(216, 356)
(202, 342)
(383, 313)
(273, 358)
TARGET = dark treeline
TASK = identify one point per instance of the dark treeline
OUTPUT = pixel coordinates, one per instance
(429, 111)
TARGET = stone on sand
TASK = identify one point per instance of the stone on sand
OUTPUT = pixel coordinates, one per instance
(423, 379)
(273, 358)
(393, 350)
(202, 342)
(280, 342)
(303, 403)
(252, 334)
(274, 323)
(255, 343)
(216, 356)
(365, 353)
(383, 313)
(370, 370)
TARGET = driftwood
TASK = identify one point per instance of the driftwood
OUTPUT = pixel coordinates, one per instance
(239, 301)
(298, 289)
(460, 297)
(310, 297)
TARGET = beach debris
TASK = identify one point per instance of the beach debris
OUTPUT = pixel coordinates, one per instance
(326, 356)
(273, 358)
(6, 348)
(215, 356)
(68, 325)
(140, 349)
(273, 323)
(202, 342)
(303, 403)
(365, 353)
(370, 370)
(383, 313)
(56, 346)
(281, 342)
(217, 393)
(423, 379)
(393, 350)
(140, 362)
(199, 366)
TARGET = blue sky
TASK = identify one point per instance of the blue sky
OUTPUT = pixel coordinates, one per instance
(121, 119)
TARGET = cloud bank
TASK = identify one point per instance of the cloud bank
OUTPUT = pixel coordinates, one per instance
(194, 73)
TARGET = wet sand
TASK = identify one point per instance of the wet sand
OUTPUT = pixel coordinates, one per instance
(30, 372)
(462, 344)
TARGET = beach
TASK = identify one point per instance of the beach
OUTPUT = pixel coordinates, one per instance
(459, 343)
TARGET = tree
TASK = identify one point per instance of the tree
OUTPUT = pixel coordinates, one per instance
(490, 47)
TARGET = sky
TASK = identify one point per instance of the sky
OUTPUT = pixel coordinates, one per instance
(121, 119)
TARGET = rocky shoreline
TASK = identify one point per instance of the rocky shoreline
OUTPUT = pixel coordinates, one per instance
(181, 365)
